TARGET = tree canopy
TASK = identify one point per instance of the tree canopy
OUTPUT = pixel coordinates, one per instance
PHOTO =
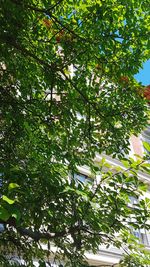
(68, 92)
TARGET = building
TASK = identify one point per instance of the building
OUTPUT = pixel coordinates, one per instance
(112, 256)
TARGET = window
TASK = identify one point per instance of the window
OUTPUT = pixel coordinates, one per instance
(81, 177)
(139, 233)
(142, 236)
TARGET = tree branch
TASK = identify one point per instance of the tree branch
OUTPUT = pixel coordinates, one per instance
(37, 235)
(50, 14)
(26, 52)
(86, 99)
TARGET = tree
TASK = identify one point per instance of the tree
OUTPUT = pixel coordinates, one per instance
(55, 120)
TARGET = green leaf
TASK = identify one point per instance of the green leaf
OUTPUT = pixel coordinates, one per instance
(69, 95)
(125, 163)
(4, 214)
(8, 200)
(146, 146)
(16, 214)
(12, 186)
(143, 187)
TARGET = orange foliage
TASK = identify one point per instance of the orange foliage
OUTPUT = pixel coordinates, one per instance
(60, 36)
(98, 66)
(58, 39)
(147, 92)
(47, 23)
(124, 79)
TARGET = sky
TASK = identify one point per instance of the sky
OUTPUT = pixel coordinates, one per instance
(144, 74)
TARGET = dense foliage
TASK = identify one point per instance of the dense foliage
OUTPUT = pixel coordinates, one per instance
(67, 93)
